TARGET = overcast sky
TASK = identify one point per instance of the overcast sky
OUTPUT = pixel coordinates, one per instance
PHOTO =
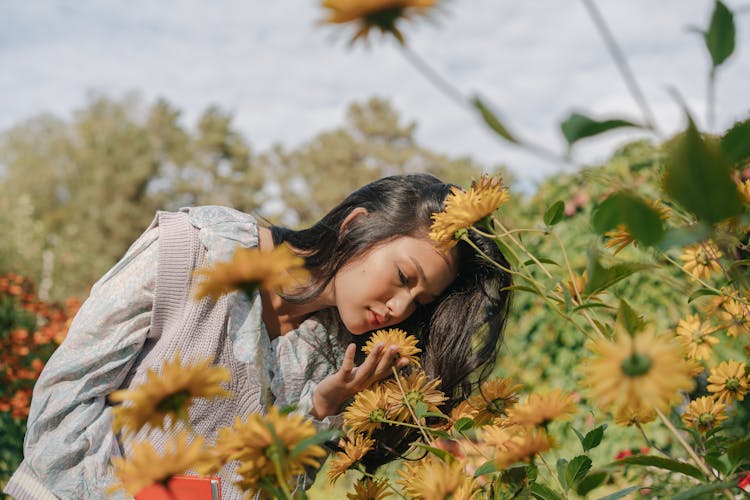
(286, 78)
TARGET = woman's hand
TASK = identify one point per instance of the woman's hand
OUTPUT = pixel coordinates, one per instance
(335, 389)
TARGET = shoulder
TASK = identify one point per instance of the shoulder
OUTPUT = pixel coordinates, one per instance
(223, 229)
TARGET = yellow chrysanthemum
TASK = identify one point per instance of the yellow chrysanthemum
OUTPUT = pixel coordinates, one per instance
(516, 443)
(463, 209)
(364, 414)
(495, 397)
(734, 315)
(704, 413)
(716, 304)
(463, 410)
(637, 374)
(695, 336)
(251, 268)
(145, 466)
(729, 381)
(258, 439)
(433, 479)
(375, 14)
(626, 416)
(701, 260)
(541, 409)
(369, 489)
(169, 392)
(418, 389)
(575, 288)
(407, 344)
(620, 237)
(355, 448)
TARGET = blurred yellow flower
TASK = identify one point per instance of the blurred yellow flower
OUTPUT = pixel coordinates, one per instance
(734, 314)
(169, 392)
(463, 209)
(462, 410)
(355, 447)
(620, 237)
(418, 389)
(717, 302)
(145, 466)
(729, 381)
(407, 344)
(375, 14)
(251, 268)
(626, 416)
(701, 260)
(541, 409)
(259, 439)
(575, 287)
(695, 336)
(433, 479)
(365, 413)
(369, 489)
(495, 397)
(638, 374)
(704, 413)
(516, 443)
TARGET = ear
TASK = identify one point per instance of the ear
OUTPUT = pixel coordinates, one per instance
(352, 215)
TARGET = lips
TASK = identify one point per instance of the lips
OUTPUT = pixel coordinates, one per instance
(374, 318)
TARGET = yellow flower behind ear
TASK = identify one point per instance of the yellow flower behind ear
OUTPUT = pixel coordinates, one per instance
(375, 14)
(463, 209)
(638, 374)
(167, 393)
(407, 344)
(251, 268)
(145, 466)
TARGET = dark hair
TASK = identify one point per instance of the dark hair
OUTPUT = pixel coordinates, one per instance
(461, 331)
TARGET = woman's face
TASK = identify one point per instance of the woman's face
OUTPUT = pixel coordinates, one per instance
(383, 286)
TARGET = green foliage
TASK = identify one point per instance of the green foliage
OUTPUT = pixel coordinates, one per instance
(578, 126)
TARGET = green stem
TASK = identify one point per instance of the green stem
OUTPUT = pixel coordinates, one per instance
(698, 461)
(551, 473)
(649, 442)
(520, 245)
(406, 402)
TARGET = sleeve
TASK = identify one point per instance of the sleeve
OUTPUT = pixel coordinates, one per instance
(69, 441)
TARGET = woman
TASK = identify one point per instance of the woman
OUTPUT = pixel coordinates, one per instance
(372, 266)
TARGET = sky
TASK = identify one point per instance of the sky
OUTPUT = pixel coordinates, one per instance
(285, 77)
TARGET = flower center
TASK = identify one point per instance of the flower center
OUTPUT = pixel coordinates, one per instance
(706, 420)
(498, 405)
(377, 415)
(732, 384)
(174, 403)
(414, 397)
(702, 258)
(636, 365)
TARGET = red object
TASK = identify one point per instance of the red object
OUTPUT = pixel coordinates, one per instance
(744, 482)
(184, 488)
(623, 454)
(645, 450)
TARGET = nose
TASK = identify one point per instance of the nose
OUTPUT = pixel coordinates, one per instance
(400, 306)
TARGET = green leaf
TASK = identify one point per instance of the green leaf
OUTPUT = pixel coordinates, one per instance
(621, 493)
(663, 463)
(591, 305)
(600, 278)
(735, 144)
(700, 491)
(521, 288)
(486, 468)
(438, 452)
(699, 177)
(554, 213)
(642, 220)
(463, 424)
(542, 260)
(317, 439)
(629, 318)
(591, 482)
(493, 121)
(562, 465)
(421, 409)
(684, 236)
(509, 256)
(579, 126)
(718, 461)
(543, 492)
(700, 293)
(593, 438)
(720, 35)
(580, 437)
(739, 452)
(577, 469)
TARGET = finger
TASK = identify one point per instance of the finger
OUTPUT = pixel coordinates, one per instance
(348, 365)
(387, 361)
(365, 371)
(402, 362)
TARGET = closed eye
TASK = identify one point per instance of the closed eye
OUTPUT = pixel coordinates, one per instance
(402, 278)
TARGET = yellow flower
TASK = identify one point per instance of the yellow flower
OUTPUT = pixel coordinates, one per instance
(695, 336)
(575, 288)
(633, 375)
(354, 449)
(369, 489)
(368, 408)
(407, 344)
(379, 14)
(169, 393)
(516, 443)
(701, 260)
(463, 410)
(257, 440)
(540, 409)
(620, 237)
(735, 315)
(495, 397)
(418, 389)
(729, 381)
(626, 416)
(463, 209)
(433, 479)
(716, 304)
(146, 467)
(250, 268)
(704, 414)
